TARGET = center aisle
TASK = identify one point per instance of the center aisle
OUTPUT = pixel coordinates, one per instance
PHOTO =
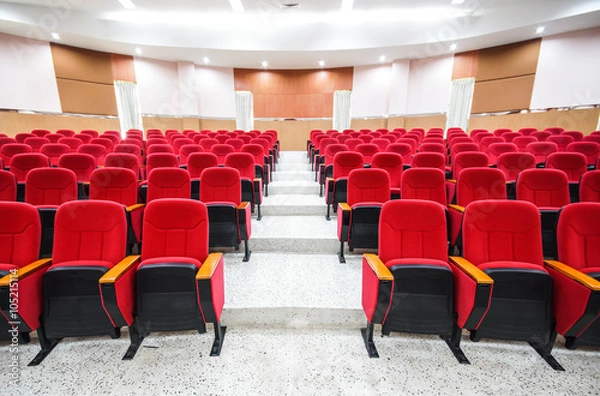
(293, 278)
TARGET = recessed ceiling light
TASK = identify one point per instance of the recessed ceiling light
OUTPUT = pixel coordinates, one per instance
(56, 36)
(138, 51)
(205, 60)
(382, 58)
(321, 63)
(265, 63)
(453, 47)
(347, 5)
(540, 30)
(236, 5)
(127, 4)
(458, 1)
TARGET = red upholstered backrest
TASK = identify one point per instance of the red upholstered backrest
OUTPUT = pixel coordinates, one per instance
(40, 132)
(589, 187)
(543, 187)
(128, 148)
(175, 227)
(123, 160)
(496, 149)
(160, 148)
(82, 164)
(576, 135)
(424, 183)
(161, 160)
(257, 151)
(541, 150)
(9, 150)
(474, 184)
(381, 143)
(243, 162)
(221, 185)
(20, 233)
(65, 132)
(21, 164)
(236, 143)
(392, 164)
(83, 137)
(368, 150)
(221, 151)
(8, 186)
(346, 161)
(95, 150)
(93, 133)
(72, 142)
(90, 230)
(562, 141)
(186, 150)
(463, 147)
(352, 143)
(510, 136)
(50, 186)
(523, 141)
(20, 137)
(501, 230)
(412, 229)
(114, 184)
(591, 150)
(136, 141)
(181, 142)
(578, 235)
(197, 162)
(511, 164)
(332, 150)
(432, 148)
(573, 164)
(541, 135)
(468, 160)
(168, 183)
(429, 160)
(104, 141)
(368, 185)
(36, 143)
(488, 140)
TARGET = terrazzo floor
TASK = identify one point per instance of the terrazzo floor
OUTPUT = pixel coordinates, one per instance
(293, 315)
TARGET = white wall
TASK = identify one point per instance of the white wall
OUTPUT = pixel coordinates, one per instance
(399, 86)
(186, 73)
(429, 85)
(215, 92)
(158, 87)
(371, 90)
(568, 72)
(27, 78)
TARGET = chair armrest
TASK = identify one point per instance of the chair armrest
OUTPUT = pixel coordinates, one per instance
(117, 290)
(245, 220)
(329, 186)
(343, 220)
(377, 288)
(116, 272)
(472, 293)
(458, 208)
(131, 208)
(573, 274)
(211, 288)
(24, 272)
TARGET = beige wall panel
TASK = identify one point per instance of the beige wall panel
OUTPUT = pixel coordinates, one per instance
(81, 97)
(163, 123)
(425, 122)
(502, 95)
(190, 123)
(12, 123)
(396, 122)
(510, 60)
(81, 64)
(371, 123)
(214, 125)
(465, 65)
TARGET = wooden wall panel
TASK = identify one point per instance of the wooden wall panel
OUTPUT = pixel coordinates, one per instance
(293, 93)
(13, 122)
(214, 125)
(396, 122)
(465, 65)
(122, 67)
(511, 60)
(293, 134)
(86, 98)
(426, 122)
(81, 64)
(502, 95)
(370, 123)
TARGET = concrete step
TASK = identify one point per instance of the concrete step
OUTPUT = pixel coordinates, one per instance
(294, 205)
(286, 187)
(293, 174)
(300, 234)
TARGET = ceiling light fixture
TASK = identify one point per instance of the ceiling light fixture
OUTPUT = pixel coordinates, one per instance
(236, 5)
(138, 51)
(55, 36)
(347, 5)
(205, 60)
(458, 1)
(382, 58)
(453, 47)
(128, 4)
(265, 63)
(540, 30)
(321, 63)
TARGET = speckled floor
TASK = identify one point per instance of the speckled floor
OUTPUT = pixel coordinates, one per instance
(293, 315)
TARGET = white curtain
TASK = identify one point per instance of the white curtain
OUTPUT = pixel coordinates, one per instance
(461, 98)
(244, 110)
(128, 106)
(342, 104)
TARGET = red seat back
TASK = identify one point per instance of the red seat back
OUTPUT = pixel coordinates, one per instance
(221, 185)
(368, 185)
(22, 163)
(168, 183)
(511, 164)
(20, 233)
(123, 160)
(589, 187)
(114, 184)
(161, 160)
(392, 164)
(50, 186)
(474, 184)
(424, 183)
(429, 160)
(545, 188)
(578, 235)
(468, 160)
(8, 186)
(243, 162)
(573, 164)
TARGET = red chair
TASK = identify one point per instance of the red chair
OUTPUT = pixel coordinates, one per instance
(8, 151)
(541, 151)
(358, 218)
(161, 160)
(89, 289)
(197, 162)
(527, 131)
(83, 165)
(186, 150)
(352, 143)
(95, 150)
(424, 183)
(468, 159)
(8, 186)
(54, 138)
(20, 270)
(251, 185)
(103, 141)
(230, 217)
(577, 275)
(576, 135)
(523, 141)
(541, 136)
(368, 150)
(405, 151)
(508, 293)
(510, 136)
(178, 286)
(83, 137)
(562, 141)
(124, 160)
(462, 148)
(381, 143)
(511, 164)
(168, 183)
(72, 142)
(65, 132)
(591, 150)
(236, 143)
(91, 132)
(261, 165)
(129, 149)
(36, 143)
(574, 165)
(20, 137)
(496, 149)
(40, 132)
(592, 138)
(555, 130)
(21, 164)
(221, 151)
(432, 148)
(181, 142)
(487, 141)
(548, 189)
(429, 160)
(589, 187)
(326, 167)
(392, 163)
(409, 286)
(336, 187)
(501, 131)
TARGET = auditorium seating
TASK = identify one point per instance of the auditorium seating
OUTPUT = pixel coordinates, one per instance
(168, 183)
(591, 150)
(574, 165)
(8, 151)
(392, 163)
(251, 185)
(541, 150)
(95, 150)
(511, 164)
(589, 187)
(337, 185)
(8, 186)
(36, 143)
(20, 166)
(82, 165)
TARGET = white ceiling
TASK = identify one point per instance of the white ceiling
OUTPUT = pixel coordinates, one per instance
(189, 30)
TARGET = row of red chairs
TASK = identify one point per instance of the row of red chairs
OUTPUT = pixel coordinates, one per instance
(500, 288)
(91, 287)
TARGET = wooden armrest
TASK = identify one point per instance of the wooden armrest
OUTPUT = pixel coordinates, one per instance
(475, 273)
(257, 179)
(574, 274)
(26, 271)
(458, 208)
(131, 208)
(330, 179)
(379, 269)
(453, 181)
(209, 266)
(243, 205)
(119, 270)
(344, 206)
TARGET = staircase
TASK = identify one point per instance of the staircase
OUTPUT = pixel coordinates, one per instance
(293, 278)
